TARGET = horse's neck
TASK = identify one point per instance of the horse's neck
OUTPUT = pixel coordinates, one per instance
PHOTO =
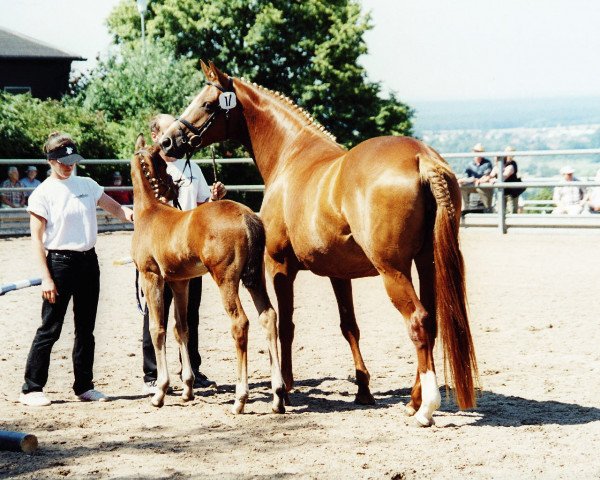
(143, 194)
(278, 130)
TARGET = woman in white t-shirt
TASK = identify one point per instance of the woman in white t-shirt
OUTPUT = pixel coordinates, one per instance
(63, 224)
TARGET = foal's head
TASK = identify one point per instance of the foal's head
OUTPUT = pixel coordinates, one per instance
(154, 170)
(213, 116)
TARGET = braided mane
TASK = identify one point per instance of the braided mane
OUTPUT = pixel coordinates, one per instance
(294, 108)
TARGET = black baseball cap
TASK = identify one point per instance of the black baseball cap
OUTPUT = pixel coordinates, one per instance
(67, 154)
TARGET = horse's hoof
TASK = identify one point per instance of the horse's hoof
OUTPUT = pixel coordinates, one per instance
(422, 421)
(157, 402)
(364, 398)
(278, 407)
(238, 408)
(278, 400)
(188, 397)
(409, 411)
(286, 399)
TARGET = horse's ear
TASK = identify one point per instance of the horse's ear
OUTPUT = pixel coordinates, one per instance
(211, 76)
(205, 70)
(221, 77)
(140, 142)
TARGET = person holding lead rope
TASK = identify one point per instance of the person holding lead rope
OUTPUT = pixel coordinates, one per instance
(64, 230)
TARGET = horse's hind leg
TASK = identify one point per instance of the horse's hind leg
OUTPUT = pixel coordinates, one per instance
(421, 329)
(426, 269)
(343, 293)
(268, 320)
(153, 286)
(239, 331)
(180, 299)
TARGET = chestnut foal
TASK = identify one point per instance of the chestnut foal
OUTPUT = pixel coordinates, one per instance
(169, 246)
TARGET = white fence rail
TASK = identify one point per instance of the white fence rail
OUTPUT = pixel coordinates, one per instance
(15, 221)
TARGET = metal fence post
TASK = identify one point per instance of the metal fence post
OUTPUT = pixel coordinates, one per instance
(500, 197)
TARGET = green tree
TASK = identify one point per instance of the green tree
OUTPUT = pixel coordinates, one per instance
(308, 50)
(25, 123)
(132, 84)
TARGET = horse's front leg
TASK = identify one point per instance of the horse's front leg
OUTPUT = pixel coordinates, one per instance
(229, 288)
(283, 281)
(343, 294)
(268, 320)
(153, 286)
(180, 299)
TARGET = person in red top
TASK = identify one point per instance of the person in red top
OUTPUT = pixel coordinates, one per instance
(124, 197)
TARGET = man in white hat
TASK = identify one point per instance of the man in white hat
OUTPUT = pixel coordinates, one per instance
(30, 181)
(476, 172)
(569, 200)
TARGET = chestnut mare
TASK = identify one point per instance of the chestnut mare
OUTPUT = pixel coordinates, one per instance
(372, 210)
(169, 246)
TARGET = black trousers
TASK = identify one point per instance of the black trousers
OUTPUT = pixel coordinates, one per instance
(193, 318)
(76, 275)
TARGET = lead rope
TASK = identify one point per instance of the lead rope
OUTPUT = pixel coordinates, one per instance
(138, 291)
(214, 163)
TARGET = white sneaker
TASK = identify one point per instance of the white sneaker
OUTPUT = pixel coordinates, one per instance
(34, 399)
(150, 388)
(92, 396)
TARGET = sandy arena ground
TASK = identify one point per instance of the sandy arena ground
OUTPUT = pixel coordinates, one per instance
(534, 303)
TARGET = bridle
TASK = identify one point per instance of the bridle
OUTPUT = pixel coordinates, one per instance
(195, 140)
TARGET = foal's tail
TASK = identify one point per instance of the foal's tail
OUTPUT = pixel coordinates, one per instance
(450, 291)
(252, 275)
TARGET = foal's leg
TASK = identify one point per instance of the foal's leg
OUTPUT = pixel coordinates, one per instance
(268, 320)
(153, 286)
(343, 293)
(421, 329)
(239, 331)
(180, 298)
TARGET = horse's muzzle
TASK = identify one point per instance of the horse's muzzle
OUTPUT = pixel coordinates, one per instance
(174, 148)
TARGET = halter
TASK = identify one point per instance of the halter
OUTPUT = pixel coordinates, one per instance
(195, 140)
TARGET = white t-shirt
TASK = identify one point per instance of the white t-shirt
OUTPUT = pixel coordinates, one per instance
(69, 207)
(190, 192)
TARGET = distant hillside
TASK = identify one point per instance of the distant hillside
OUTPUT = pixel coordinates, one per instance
(524, 124)
(493, 114)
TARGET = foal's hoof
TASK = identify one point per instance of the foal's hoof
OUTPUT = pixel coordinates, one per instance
(364, 398)
(157, 402)
(409, 411)
(187, 397)
(279, 408)
(238, 408)
(422, 421)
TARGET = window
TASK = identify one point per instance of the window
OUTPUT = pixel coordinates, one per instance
(17, 90)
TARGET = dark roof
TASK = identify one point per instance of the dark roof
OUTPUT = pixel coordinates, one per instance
(17, 45)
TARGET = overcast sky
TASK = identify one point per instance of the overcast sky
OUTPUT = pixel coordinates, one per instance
(422, 49)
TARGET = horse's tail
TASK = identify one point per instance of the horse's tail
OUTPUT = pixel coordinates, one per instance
(252, 274)
(450, 291)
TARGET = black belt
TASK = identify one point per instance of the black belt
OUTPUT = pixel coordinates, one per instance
(73, 253)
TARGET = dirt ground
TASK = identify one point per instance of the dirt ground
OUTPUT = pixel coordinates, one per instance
(534, 305)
